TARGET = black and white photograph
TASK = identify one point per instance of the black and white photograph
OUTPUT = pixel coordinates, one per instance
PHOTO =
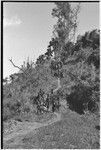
(50, 54)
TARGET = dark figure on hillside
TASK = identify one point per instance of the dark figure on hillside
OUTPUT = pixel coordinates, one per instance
(39, 101)
(41, 96)
(47, 101)
(38, 109)
(57, 102)
(52, 91)
(54, 98)
(53, 105)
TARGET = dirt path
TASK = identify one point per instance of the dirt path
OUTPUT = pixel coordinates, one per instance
(28, 127)
(71, 133)
(58, 85)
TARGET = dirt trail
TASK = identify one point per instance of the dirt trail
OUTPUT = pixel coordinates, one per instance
(28, 127)
(58, 85)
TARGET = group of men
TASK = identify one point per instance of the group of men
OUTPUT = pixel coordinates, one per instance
(44, 101)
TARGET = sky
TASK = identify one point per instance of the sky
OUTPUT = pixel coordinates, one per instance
(27, 30)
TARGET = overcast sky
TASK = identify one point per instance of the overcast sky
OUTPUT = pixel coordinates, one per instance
(28, 29)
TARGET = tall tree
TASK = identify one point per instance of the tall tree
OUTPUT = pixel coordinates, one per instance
(64, 30)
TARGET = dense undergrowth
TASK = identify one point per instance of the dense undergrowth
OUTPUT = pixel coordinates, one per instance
(79, 78)
(67, 70)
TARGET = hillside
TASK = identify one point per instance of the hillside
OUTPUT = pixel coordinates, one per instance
(54, 102)
(72, 130)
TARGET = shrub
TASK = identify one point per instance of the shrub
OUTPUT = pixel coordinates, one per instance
(78, 98)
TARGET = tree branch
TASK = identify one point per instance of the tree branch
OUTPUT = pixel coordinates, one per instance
(17, 66)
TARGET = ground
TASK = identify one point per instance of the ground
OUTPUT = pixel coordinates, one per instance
(63, 130)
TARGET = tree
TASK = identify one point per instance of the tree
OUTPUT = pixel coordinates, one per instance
(49, 52)
(64, 30)
(68, 49)
(90, 39)
(40, 60)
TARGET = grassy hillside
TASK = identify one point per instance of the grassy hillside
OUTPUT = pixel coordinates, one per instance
(78, 74)
(77, 83)
(64, 80)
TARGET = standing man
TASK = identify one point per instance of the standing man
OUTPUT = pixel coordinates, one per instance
(47, 101)
(52, 100)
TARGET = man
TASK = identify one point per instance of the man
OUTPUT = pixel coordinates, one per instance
(39, 101)
(53, 105)
(52, 100)
(56, 102)
(47, 101)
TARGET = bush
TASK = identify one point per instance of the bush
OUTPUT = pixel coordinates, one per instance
(80, 97)
(80, 61)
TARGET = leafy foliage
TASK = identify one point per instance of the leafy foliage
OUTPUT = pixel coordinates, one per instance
(76, 65)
